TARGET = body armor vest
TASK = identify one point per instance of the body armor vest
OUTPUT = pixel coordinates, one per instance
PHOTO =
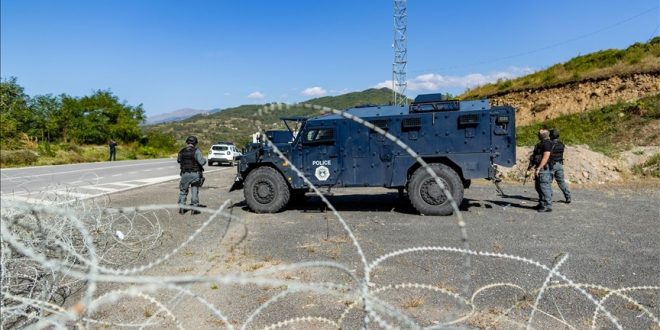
(187, 160)
(557, 153)
(537, 154)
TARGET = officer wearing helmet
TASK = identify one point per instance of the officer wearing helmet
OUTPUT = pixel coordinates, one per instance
(557, 164)
(192, 166)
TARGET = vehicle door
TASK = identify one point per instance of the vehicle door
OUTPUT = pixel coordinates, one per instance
(320, 163)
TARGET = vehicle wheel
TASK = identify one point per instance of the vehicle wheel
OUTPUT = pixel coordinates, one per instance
(427, 197)
(265, 190)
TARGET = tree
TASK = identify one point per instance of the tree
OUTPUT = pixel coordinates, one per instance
(45, 109)
(15, 116)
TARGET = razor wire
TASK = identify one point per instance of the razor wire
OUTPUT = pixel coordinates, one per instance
(50, 252)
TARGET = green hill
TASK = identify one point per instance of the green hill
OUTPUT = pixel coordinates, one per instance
(638, 58)
(239, 123)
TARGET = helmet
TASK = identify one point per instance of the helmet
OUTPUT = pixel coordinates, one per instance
(554, 133)
(191, 140)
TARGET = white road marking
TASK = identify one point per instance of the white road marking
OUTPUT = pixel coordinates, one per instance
(75, 171)
(100, 188)
(71, 191)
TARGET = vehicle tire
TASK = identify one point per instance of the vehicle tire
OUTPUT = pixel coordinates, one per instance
(266, 191)
(425, 194)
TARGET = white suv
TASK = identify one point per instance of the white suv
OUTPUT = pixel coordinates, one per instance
(223, 153)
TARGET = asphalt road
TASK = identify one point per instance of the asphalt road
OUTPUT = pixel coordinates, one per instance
(607, 239)
(65, 183)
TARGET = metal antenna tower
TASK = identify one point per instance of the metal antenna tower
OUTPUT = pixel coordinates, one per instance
(400, 45)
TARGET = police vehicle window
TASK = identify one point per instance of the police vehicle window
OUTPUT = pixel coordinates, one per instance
(320, 135)
(219, 148)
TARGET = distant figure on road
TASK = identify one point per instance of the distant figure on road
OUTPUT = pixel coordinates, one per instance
(113, 150)
(192, 168)
(557, 164)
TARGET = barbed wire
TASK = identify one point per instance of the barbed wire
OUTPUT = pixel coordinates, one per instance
(60, 250)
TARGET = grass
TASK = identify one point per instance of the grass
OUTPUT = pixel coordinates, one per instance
(650, 168)
(38, 154)
(413, 302)
(608, 130)
(638, 58)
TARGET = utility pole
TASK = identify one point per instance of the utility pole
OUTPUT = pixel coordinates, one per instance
(400, 45)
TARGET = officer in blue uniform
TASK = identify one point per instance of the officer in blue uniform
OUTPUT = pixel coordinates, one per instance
(192, 166)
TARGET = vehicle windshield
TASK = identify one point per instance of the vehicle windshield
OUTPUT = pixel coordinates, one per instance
(294, 125)
(220, 148)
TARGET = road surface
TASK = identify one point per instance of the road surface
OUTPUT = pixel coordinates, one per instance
(66, 183)
(608, 235)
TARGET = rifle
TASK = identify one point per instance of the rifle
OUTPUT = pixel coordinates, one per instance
(529, 167)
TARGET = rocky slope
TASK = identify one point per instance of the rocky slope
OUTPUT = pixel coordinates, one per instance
(584, 166)
(541, 104)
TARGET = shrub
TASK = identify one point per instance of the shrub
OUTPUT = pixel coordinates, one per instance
(504, 85)
(17, 157)
(45, 149)
(650, 168)
(148, 151)
(159, 141)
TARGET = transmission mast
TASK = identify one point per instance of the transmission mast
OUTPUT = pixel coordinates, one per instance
(400, 45)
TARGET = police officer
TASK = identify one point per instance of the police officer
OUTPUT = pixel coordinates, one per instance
(542, 173)
(557, 164)
(192, 165)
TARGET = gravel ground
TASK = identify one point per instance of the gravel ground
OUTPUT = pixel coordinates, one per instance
(608, 237)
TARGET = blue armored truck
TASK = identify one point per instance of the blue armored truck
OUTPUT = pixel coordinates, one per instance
(460, 140)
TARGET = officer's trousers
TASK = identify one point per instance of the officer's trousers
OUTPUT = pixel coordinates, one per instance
(558, 173)
(542, 184)
(187, 180)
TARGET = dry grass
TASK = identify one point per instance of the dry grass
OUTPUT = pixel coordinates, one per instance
(185, 269)
(254, 267)
(413, 302)
(598, 293)
(445, 286)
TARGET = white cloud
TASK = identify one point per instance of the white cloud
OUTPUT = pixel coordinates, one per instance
(341, 91)
(314, 91)
(434, 81)
(256, 95)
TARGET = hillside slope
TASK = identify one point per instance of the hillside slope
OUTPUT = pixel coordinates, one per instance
(537, 105)
(597, 66)
(584, 83)
(239, 123)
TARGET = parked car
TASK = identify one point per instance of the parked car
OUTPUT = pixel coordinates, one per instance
(223, 153)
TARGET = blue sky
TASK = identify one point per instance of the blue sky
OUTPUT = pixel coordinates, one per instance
(169, 55)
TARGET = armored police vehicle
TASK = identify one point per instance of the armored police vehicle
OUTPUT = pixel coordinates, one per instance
(460, 140)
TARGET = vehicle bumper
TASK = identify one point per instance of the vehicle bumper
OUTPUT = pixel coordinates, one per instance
(220, 160)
